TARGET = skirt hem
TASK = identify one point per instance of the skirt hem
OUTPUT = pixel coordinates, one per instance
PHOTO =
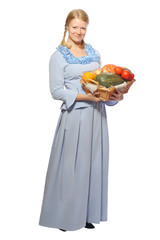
(69, 229)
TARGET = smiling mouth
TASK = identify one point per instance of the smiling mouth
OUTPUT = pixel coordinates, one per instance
(78, 36)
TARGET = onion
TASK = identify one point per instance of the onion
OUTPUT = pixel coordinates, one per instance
(91, 87)
(97, 71)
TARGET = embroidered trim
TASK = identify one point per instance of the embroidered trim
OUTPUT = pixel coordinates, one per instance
(92, 55)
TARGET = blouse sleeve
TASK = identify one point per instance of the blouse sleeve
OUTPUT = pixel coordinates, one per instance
(56, 80)
(110, 103)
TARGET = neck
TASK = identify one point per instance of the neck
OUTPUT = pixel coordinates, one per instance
(74, 44)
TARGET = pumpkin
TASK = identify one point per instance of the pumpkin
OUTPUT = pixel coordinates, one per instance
(109, 68)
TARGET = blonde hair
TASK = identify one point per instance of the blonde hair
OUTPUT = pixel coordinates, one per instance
(77, 13)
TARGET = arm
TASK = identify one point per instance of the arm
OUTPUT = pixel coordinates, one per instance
(110, 103)
(56, 79)
(88, 97)
(115, 98)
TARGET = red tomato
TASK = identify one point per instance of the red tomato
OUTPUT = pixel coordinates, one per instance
(131, 76)
(126, 75)
(118, 70)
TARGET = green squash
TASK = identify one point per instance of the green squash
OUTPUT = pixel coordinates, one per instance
(109, 79)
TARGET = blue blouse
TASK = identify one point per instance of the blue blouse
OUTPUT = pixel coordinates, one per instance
(65, 73)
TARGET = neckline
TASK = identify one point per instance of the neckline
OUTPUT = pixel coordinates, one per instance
(91, 56)
(80, 56)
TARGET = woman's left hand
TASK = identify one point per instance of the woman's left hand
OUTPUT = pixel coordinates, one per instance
(118, 96)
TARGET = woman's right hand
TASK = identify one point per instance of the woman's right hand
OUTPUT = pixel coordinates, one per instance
(93, 97)
(88, 97)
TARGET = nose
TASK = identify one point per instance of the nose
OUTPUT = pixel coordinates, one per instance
(79, 31)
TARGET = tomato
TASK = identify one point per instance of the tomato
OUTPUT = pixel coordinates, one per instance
(131, 76)
(126, 75)
(118, 70)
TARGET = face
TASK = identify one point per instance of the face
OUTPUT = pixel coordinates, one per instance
(77, 30)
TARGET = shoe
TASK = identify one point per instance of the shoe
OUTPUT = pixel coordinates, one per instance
(63, 230)
(89, 225)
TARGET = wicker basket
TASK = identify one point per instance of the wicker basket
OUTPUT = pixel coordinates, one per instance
(105, 93)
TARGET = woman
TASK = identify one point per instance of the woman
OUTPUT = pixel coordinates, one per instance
(75, 194)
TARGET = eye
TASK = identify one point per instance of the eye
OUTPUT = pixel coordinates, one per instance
(83, 28)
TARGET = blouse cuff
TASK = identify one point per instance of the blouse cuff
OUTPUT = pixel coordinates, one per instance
(70, 99)
(111, 103)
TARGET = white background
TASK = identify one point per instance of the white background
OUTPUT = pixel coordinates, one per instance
(126, 33)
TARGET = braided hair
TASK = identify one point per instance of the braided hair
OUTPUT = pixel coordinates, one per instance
(80, 14)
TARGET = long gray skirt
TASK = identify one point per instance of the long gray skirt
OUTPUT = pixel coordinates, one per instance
(76, 187)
